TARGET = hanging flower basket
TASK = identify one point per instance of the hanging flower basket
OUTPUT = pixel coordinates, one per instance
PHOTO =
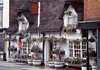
(36, 49)
(63, 40)
(34, 39)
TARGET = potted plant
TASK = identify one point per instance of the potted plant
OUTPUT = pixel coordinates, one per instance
(29, 60)
(94, 66)
(51, 59)
(84, 67)
(35, 56)
(58, 62)
(37, 60)
(67, 61)
(76, 61)
(93, 60)
(51, 63)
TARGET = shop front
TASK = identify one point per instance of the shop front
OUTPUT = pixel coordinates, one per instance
(91, 37)
(36, 50)
(61, 50)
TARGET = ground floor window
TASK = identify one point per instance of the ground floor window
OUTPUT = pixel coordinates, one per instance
(77, 48)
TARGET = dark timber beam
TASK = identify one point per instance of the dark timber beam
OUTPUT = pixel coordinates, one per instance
(98, 49)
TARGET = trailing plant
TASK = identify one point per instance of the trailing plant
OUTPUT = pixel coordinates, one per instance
(59, 53)
(36, 49)
(76, 61)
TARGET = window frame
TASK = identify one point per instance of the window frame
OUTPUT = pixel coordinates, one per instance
(74, 53)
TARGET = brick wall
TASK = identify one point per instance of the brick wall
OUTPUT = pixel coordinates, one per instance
(91, 9)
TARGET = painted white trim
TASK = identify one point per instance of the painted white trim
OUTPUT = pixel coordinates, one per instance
(88, 21)
(39, 14)
(81, 52)
(73, 50)
(5, 13)
(81, 49)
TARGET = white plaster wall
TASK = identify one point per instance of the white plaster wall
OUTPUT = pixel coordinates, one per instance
(54, 35)
(46, 52)
(41, 45)
(73, 36)
(5, 13)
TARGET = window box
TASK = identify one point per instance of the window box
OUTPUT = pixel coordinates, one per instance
(37, 62)
(59, 64)
(51, 64)
(29, 61)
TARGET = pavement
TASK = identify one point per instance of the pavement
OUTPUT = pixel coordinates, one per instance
(20, 66)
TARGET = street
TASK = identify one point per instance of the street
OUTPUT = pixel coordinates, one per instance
(20, 66)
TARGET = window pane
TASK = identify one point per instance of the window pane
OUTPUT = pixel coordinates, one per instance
(84, 53)
(84, 45)
(77, 53)
(77, 45)
(71, 52)
(71, 44)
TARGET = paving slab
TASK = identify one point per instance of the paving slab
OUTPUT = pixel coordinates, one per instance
(22, 66)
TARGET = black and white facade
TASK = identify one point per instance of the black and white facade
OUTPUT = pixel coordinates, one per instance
(56, 39)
